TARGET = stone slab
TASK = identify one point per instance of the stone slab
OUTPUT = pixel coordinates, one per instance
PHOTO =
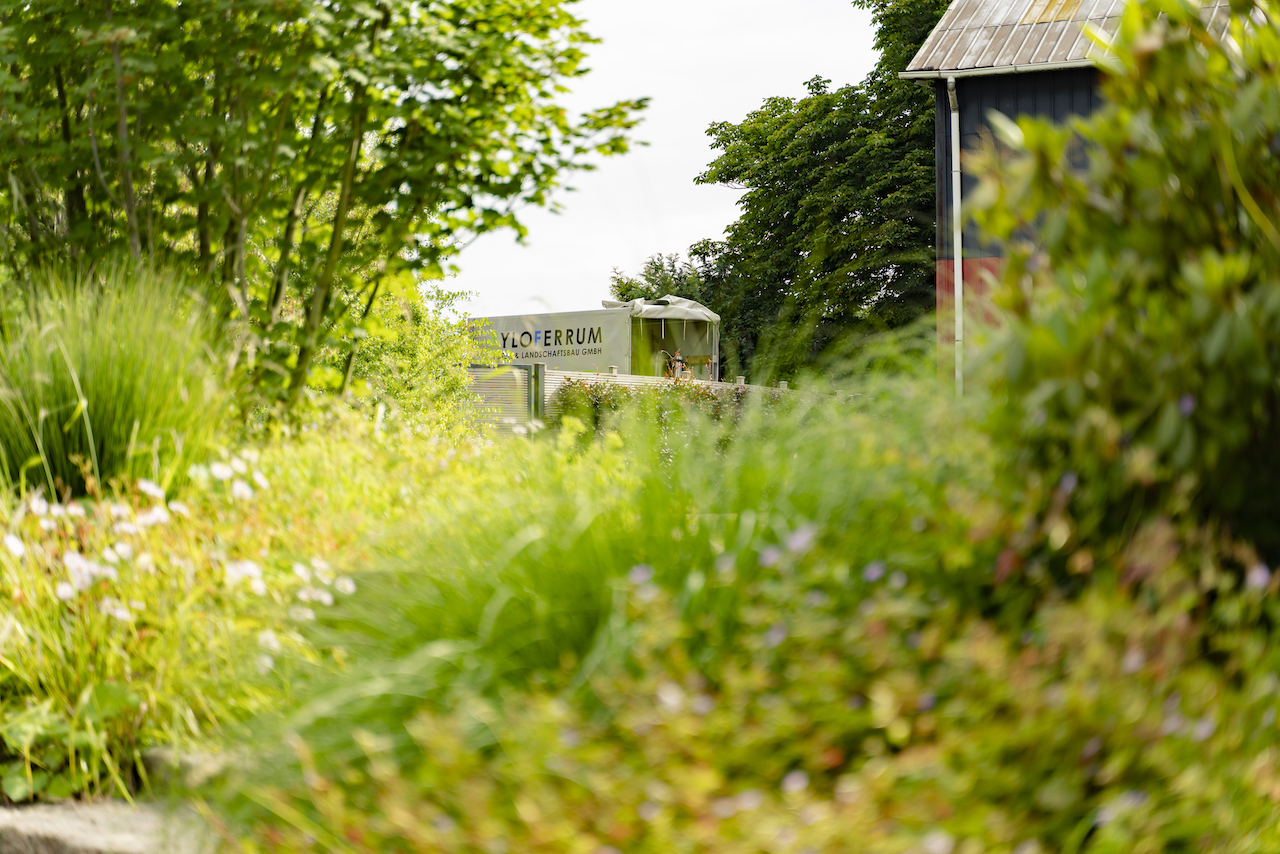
(106, 827)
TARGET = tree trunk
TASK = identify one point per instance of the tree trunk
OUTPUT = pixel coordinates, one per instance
(295, 212)
(126, 176)
(324, 285)
(73, 196)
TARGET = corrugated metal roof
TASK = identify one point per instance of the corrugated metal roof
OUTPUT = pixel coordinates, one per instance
(1002, 36)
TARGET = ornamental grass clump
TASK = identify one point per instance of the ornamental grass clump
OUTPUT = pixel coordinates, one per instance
(106, 375)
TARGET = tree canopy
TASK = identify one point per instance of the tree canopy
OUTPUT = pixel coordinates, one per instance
(837, 226)
(290, 152)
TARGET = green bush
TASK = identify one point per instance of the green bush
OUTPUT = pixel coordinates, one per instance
(598, 403)
(1141, 340)
(105, 376)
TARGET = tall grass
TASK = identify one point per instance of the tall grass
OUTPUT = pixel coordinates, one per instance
(105, 375)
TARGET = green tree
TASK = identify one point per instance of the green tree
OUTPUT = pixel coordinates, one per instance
(660, 275)
(837, 226)
(288, 150)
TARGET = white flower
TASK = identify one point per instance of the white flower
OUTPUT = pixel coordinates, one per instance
(315, 594)
(221, 471)
(258, 586)
(259, 479)
(120, 511)
(198, 472)
(323, 572)
(151, 488)
(302, 572)
(265, 664)
(64, 591)
(345, 585)
(267, 640)
(80, 570)
(38, 505)
(127, 528)
(299, 613)
(115, 608)
(110, 556)
(137, 605)
(48, 525)
(76, 510)
(241, 490)
(146, 561)
(238, 466)
(124, 550)
(249, 454)
(157, 515)
(795, 782)
(57, 511)
(179, 508)
(238, 569)
(14, 545)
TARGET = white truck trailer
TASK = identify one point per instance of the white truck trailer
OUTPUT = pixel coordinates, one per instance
(661, 337)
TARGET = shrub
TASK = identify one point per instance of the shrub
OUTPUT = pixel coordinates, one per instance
(1142, 337)
(104, 376)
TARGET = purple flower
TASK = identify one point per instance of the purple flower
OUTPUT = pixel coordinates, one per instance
(1187, 404)
(873, 571)
(770, 555)
(640, 573)
(1258, 577)
(802, 539)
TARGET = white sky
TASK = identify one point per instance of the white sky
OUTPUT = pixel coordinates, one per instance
(699, 61)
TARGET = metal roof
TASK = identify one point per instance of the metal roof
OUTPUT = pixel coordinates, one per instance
(978, 37)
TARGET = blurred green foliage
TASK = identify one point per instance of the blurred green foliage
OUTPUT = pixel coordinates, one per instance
(1143, 358)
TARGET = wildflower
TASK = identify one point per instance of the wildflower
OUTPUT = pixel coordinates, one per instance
(648, 810)
(802, 539)
(751, 799)
(795, 782)
(241, 490)
(265, 664)
(670, 697)
(701, 704)
(258, 586)
(137, 605)
(776, 635)
(120, 511)
(48, 525)
(238, 569)
(115, 608)
(345, 586)
(124, 550)
(724, 807)
(898, 580)
(1258, 577)
(1133, 661)
(179, 508)
(75, 510)
(64, 591)
(38, 505)
(816, 598)
(157, 515)
(1204, 729)
(57, 511)
(127, 528)
(769, 556)
(267, 640)
(726, 563)
(323, 572)
(1187, 404)
(221, 471)
(146, 561)
(873, 571)
(938, 842)
(315, 594)
(641, 573)
(14, 545)
(301, 614)
(238, 466)
(1067, 485)
(151, 489)
(259, 479)
(302, 572)
(110, 556)
(249, 454)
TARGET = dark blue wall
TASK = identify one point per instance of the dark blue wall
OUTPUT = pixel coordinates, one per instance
(1048, 94)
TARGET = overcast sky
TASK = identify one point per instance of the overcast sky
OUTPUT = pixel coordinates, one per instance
(699, 61)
